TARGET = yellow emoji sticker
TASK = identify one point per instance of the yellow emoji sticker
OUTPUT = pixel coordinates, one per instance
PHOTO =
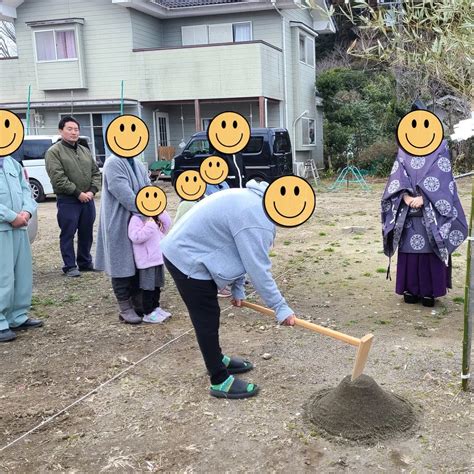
(214, 170)
(229, 132)
(12, 132)
(289, 201)
(151, 201)
(190, 186)
(420, 133)
(127, 136)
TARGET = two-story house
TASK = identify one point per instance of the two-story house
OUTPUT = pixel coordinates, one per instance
(174, 63)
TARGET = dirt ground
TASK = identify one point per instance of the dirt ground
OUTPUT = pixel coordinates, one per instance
(158, 416)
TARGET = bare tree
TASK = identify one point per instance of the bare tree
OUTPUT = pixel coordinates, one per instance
(431, 37)
(7, 40)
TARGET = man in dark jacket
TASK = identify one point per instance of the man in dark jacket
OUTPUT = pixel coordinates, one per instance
(76, 179)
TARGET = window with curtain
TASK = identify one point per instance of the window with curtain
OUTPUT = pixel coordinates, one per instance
(242, 31)
(66, 44)
(45, 49)
(54, 45)
(218, 33)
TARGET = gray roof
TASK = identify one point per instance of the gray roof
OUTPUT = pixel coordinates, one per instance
(192, 3)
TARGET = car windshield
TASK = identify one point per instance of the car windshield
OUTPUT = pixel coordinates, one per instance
(282, 143)
(254, 145)
(35, 149)
(199, 147)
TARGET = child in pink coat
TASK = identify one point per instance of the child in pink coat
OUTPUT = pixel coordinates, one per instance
(146, 234)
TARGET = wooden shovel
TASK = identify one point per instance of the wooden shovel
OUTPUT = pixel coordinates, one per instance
(363, 344)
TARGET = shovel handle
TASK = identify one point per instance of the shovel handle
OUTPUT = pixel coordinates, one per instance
(306, 324)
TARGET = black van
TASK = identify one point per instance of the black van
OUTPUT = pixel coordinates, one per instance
(267, 156)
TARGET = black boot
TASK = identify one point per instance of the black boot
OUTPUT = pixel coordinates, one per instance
(409, 298)
(428, 301)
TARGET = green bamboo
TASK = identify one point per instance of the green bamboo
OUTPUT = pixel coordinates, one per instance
(468, 307)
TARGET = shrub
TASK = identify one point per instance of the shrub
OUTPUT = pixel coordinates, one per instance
(378, 158)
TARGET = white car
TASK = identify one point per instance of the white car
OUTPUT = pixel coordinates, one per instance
(31, 156)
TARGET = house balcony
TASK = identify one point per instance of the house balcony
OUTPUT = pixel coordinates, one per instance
(230, 70)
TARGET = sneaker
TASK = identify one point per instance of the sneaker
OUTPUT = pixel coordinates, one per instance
(154, 318)
(73, 273)
(224, 293)
(163, 313)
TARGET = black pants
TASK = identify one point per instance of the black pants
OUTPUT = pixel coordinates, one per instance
(150, 300)
(75, 216)
(124, 288)
(200, 297)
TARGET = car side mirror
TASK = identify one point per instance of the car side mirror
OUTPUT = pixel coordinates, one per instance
(187, 154)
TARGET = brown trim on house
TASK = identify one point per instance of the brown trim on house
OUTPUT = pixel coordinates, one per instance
(141, 50)
(207, 101)
(261, 111)
(197, 115)
(8, 57)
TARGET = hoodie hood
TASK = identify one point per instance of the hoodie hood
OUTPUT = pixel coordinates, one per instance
(258, 187)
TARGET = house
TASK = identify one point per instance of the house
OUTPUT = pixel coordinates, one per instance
(174, 63)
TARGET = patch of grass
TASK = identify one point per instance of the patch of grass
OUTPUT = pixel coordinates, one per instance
(272, 254)
(350, 278)
(326, 273)
(329, 249)
(335, 244)
(287, 242)
(456, 254)
(458, 299)
(381, 270)
(71, 298)
(381, 321)
(367, 274)
(357, 237)
(358, 261)
(322, 234)
(37, 301)
(449, 354)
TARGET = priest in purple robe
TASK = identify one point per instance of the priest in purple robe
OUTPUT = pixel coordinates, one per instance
(422, 216)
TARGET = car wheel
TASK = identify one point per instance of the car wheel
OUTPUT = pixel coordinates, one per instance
(37, 190)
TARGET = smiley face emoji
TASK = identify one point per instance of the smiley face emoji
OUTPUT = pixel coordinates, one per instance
(12, 132)
(151, 201)
(289, 201)
(214, 170)
(190, 186)
(127, 136)
(420, 133)
(229, 132)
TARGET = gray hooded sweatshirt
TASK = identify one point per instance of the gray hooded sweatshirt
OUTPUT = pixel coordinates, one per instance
(225, 236)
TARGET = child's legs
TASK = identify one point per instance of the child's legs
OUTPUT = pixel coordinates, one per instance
(148, 301)
(156, 297)
(200, 297)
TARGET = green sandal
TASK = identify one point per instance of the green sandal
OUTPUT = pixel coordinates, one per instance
(234, 388)
(237, 365)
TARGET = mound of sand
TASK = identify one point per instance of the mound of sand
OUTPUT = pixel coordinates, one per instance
(360, 411)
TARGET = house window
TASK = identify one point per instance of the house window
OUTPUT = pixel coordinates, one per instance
(242, 31)
(218, 33)
(205, 123)
(55, 45)
(306, 50)
(309, 135)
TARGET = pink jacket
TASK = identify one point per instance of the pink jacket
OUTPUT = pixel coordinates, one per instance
(146, 236)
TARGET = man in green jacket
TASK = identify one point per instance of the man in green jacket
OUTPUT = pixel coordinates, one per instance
(76, 179)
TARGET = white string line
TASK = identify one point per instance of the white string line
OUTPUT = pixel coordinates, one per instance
(115, 377)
